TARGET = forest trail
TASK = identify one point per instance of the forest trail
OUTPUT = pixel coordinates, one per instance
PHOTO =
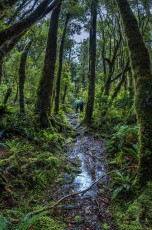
(85, 211)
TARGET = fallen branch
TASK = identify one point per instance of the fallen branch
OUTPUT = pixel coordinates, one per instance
(75, 193)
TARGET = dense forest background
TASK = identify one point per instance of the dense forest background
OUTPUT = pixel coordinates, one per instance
(53, 53)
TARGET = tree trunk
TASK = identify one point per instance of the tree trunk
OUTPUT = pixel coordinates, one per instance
(8, 93)
(45, 90)
(65, 92)
(16, 95)
(22, 77)
(91, 89)
(58, 83)
(143, 89)
(121, 81)
(112, 65)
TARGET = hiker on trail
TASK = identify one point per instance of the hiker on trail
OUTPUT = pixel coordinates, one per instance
(79, 105)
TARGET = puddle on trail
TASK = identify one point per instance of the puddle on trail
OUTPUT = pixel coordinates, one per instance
(89, 207)
(91, 154)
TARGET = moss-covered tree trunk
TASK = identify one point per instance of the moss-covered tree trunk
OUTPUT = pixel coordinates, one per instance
(45, 90)
(58, 83)
(8, 94)
(143, 89)
(123, 78)
(65, 93)
(92, 60)
(22, 76)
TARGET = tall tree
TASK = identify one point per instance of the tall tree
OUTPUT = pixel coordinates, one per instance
(140, 61)
(92, 60)
(22, 76)
(45, 90)
(8, 94)
(58, 83)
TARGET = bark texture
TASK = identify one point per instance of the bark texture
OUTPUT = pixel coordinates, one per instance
(58, 83)
(92, 75)
(45, 90)
(140, 61)
(22, 77)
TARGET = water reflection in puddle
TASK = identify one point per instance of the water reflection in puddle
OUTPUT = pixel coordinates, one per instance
(89, 151)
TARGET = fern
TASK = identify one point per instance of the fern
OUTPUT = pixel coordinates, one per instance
(3, 145)
(4, 223)
(24, 224)
(28, 221)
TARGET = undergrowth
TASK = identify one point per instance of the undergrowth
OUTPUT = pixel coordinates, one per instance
(30, 162)
(132, 209)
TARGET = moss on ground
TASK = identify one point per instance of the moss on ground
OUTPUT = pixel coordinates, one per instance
(30, 161)
(134, 215)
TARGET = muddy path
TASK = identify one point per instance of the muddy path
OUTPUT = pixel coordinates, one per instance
(87, 211)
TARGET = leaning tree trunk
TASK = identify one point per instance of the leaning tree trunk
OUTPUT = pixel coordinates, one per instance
(45, 90)
(19, 27)
(143, 89)
(58, 83)
(123, 78)
(22, 77)
(8, 94)
(92, 75)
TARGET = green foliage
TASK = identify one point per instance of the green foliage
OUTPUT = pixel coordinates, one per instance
(4, 223)
(61, 117)
(137, 214)
(37, 221)
(47, 223)
(122, 183)
(124, 143)
(29, 221)
(31, 161)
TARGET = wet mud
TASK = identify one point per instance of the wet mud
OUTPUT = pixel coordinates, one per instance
(88, 211)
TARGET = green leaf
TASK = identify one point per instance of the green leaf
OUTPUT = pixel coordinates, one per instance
(3, 145)
(3, 222)
(28, 221)
(116, 192)
(126, 186)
